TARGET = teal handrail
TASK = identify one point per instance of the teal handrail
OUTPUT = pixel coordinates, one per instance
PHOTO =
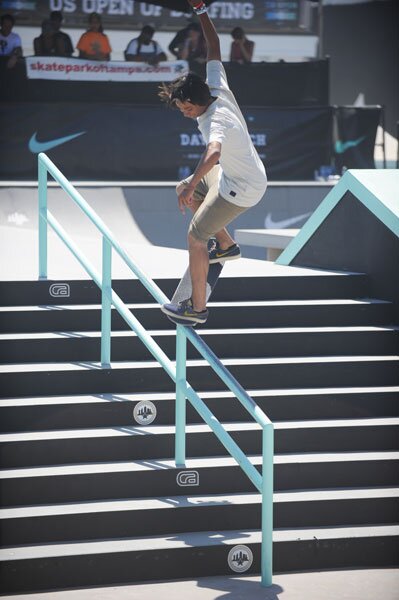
(177, 372)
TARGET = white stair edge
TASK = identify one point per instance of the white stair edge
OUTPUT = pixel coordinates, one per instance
(136, 430)
(191, 463)
(50, 335)
(172, 502)
(194, 539)
(167, 396)
(264, 303)
(94, 365)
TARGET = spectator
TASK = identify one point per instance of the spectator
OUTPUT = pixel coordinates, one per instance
(176, 45)
(45, 44)
(242, 49)
(94, 44)
(144, 48)
(63, 41)
(194, 48)
(10, 43)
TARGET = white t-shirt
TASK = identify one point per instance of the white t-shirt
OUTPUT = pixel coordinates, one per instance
(9, 43)
(152, 48)
(243, 178)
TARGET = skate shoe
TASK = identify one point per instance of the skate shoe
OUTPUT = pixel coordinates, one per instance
(183, 313)
(218, 255)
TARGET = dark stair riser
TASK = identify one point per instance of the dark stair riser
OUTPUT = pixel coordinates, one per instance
(25, 490)
(69, 347)
(190, 562)
(130, 290)
(201, 378)
(21, 454)
(118, 412)
(156, 522)
(341, 315)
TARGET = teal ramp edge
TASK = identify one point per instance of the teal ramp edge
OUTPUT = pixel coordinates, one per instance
(377, 189)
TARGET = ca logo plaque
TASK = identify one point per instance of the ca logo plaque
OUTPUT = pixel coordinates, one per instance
(144, 412)
(240, 558)
(187, 478)
(59, 290)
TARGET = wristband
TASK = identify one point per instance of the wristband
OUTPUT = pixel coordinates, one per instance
(200, 9)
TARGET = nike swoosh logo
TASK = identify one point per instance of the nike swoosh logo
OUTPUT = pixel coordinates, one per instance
(341, 147)
(285, 223)
(35, 146)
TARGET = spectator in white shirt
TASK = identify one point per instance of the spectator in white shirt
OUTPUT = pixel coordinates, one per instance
(10, 43)
(144, 48)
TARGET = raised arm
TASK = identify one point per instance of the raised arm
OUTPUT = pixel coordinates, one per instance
(208, 29)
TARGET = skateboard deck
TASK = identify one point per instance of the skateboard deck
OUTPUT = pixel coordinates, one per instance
(184, 289)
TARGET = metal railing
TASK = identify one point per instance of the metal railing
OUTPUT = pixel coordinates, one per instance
(177, 372)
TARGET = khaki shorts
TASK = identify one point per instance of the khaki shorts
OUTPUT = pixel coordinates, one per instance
(214, 212)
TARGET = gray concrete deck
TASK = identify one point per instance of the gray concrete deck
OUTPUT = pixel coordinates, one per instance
(138, 230)
(375, 584)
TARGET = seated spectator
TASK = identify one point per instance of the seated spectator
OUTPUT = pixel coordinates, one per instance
(45, 44)
(242, 49)
(194, 48)
(144, 48)
(63, 41)
(176, 45)
(10, 42)
(94, 44)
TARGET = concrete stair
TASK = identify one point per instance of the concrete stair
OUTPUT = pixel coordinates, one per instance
(91, 497)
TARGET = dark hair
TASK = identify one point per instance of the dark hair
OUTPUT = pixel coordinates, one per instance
(188, 88)
(95, 15)
(237, 33)
(47, 26)
(56, 15)
(148, 29)
(7, 17)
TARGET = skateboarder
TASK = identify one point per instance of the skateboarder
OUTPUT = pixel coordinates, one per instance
(229, 178)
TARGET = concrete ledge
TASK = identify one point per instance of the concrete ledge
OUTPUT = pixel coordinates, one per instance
(274, 240)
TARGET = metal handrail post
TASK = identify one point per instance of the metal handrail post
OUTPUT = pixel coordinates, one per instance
(267, 506)
(106, 295)
(181, 358)
(42, 180)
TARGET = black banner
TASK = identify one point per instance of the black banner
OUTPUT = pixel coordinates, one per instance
(122, 142)
(258, 84)
(355, 133)
(268, 16)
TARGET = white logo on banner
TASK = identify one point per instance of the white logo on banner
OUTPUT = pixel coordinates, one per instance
(144, 412)
(187, 478)
(57, 290)
(240, 558)
(74, 69)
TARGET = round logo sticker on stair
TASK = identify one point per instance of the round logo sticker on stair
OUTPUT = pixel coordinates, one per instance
(144, 412)
(240, 558)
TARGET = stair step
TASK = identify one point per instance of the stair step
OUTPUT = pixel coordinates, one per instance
(214, 475)
(119, 561)
(261, 313)
(136, 443)
(303, 283)
(298, 372)
(112, 410)
(161, 516)
(228, 343)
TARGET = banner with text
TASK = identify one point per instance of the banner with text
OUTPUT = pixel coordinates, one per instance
(121, 142)
(268, 16)
(75, 69)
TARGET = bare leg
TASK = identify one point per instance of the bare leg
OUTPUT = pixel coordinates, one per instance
(224, 238)
(199, 265)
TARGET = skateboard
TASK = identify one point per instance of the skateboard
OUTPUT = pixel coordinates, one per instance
(184, 289)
